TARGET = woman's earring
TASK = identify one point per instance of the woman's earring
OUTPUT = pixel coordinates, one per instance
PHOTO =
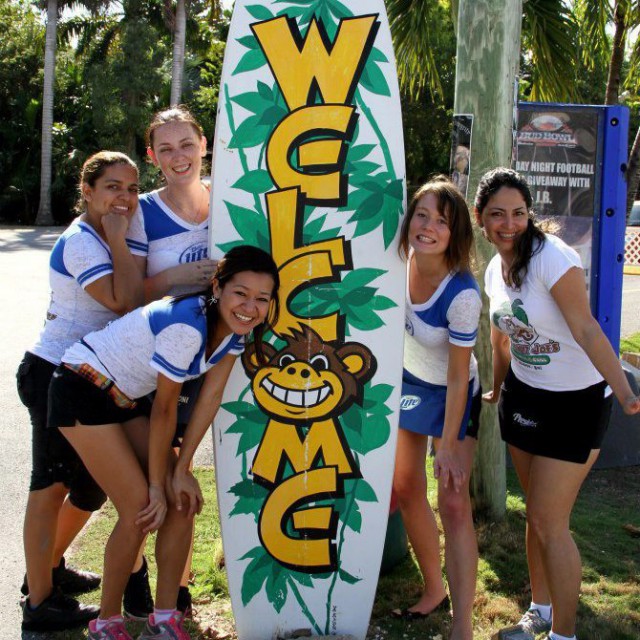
(213, 300)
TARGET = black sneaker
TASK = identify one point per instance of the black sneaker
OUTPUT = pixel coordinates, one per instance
(56, 613)
(72, 581)
(137, 601)
(185, 604)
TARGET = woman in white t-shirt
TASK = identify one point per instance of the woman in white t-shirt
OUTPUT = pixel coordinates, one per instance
(438, 390)
(171, 232)
(93, 280)
(551, 367)
(99, 400)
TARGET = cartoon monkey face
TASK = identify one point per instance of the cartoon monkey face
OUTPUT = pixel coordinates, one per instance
(309, 379)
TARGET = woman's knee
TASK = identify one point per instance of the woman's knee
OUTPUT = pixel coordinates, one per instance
(546, 524)
(454, 507)
(408, 488)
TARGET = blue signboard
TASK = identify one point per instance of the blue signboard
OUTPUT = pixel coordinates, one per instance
(574, 158)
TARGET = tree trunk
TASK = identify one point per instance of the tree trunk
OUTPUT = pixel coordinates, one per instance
(617, 53)
(487, 62)
(633, 172)
(45, 216)
(179, 36)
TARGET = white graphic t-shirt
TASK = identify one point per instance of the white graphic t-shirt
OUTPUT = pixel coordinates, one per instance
(544, 354)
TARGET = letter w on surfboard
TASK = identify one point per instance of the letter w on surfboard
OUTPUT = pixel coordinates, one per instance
(309, 165)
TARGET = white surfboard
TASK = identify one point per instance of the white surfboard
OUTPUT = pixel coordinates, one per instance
(309, 165)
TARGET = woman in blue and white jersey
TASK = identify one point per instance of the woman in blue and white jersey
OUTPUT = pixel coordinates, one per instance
(93, 279)
(438, 391)
(99, 400)
(171, 232)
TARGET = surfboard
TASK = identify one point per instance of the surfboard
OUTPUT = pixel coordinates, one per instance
(309, 165)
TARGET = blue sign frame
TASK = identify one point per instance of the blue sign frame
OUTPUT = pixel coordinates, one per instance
(609, 207)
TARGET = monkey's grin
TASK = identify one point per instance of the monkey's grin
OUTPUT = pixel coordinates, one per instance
(294, 397)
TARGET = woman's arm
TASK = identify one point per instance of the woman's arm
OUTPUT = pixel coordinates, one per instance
(122, 290)
(446, 465)
(501, 361)
(163, 420)
(204, 412)
(191, 273)
(570, 294)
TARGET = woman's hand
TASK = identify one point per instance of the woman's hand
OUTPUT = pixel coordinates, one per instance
(447, 468)
(194, 273)
(152, 516)
(631, 405)
(491, 396)
(114, 225)
(187, 492)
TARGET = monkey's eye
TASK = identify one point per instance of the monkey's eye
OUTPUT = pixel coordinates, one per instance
(319, 362)
(285, 359)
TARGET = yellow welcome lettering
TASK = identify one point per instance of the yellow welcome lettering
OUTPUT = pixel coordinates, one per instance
(300, 65)
(299, 126)
(281, 442)
(284, 502)
(298, 264)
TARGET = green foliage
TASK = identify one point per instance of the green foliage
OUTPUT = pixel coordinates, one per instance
(352, 297)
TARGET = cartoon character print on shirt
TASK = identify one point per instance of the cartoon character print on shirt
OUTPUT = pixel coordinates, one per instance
(526, 344)
(303, 455)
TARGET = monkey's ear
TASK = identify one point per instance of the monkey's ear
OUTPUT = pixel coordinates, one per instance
(250, 358)
(358, 360)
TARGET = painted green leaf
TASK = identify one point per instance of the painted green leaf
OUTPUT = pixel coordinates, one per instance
(395, 189)
(339, 10)
(249, 42)
(381, 303)
(265, 91)
(272, 115)
(390, 224)
(242, 408)
(374, 80)
(226, 246)
(365, 492)
(252, 101)
(257, 181)
(301, 578)
(276, 587)
(364, 319)
(251, 497)
(250, 133)
(255, 574)
(352, 517)
(377, 56)
(251, 225)
(363, 276)
(251, 60)
(294, 12)
(360, 151)
(259, 12)
(363, 167)
(347, 577)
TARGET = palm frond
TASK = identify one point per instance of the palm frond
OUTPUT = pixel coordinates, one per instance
(548, 31)
(593, 17)
(414, 29)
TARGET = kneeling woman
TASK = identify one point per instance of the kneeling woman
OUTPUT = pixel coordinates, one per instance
(98, 400)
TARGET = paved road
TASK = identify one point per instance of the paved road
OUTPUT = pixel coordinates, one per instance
(23, 282)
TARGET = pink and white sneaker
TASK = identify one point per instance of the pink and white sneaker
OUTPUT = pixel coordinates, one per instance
(113, 630)
(172, 629)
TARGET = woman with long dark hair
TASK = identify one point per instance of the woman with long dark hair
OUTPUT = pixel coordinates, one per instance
(551, 367)
(99, 402)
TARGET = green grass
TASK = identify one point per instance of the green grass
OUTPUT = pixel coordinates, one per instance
(630, 344)
(609, 604)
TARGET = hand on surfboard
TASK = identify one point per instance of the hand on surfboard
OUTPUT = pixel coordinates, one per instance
(187, 493)
(447, 467)
(152, 516)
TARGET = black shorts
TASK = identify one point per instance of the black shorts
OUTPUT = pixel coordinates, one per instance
(53, 459)
(474, 416)
(564, 425)
(73, 399)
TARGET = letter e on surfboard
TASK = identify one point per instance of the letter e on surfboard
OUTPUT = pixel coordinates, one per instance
(309, 165)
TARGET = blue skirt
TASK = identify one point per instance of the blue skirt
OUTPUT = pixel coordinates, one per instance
(422, 407)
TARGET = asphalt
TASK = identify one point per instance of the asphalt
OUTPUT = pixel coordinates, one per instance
(24, 253)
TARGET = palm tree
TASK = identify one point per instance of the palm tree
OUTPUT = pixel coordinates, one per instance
(45, 216)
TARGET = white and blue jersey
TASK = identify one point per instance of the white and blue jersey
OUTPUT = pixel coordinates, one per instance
(166, 336)
(450, 316)
(165, 239)
(78, 258)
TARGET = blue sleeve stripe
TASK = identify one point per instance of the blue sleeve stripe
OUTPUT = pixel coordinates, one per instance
(463, 336)
(165, 364)
(140, 246)
(106, 267)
